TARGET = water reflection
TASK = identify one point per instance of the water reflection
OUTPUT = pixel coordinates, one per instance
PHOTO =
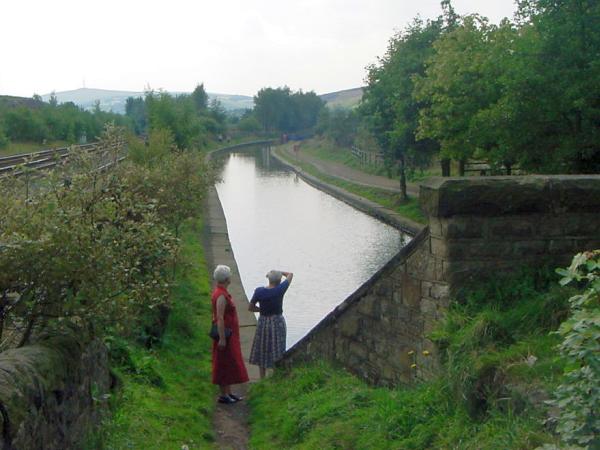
(276, 220)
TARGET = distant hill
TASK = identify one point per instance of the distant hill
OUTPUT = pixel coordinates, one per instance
(114, 101)
(347, 98)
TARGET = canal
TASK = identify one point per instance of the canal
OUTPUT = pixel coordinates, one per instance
(277, 221)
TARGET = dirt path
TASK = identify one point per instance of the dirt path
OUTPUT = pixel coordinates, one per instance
(346, 173)
(230, 421)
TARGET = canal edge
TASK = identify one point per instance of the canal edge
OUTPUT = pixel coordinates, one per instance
(368, 207)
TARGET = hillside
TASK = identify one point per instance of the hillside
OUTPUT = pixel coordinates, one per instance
(114, 101)
(347, 98)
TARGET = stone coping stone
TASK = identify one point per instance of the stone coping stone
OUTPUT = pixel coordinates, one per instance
(498, 196)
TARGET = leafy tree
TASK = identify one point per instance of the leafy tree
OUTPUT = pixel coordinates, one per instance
(200, 99)
(389, 106)
(281, 110)
(135, 108)
(457, 88)
(561, 49)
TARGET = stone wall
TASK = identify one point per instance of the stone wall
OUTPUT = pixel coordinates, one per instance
(52, 394)
(477, 227)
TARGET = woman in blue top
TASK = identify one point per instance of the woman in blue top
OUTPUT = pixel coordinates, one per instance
(269, 340)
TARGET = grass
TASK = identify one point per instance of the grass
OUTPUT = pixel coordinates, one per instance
(167, 399)
(15, 148)
(325, 149)
(499, 363)
(410, 208)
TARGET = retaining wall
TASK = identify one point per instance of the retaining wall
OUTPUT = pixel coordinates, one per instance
(477, 227)
(52, 394)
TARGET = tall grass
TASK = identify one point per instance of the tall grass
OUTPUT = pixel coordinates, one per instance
(499, 362)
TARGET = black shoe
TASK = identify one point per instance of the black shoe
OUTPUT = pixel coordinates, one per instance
(236, 398)
(226, 399)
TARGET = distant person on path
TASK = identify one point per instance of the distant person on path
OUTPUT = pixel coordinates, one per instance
(227, 364)
(269, 341)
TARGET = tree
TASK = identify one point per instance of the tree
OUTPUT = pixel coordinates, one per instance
(389, 106)
(200, 99)
(560, 56)
(456, 89)
(281, 110)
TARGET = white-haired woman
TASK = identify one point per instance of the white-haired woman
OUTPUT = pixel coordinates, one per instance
(227, 363)
(269, 340)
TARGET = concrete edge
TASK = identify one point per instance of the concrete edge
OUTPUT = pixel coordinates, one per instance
(368, 207)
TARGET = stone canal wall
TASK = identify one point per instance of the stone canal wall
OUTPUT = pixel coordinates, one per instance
(477, 227)
(52, 394)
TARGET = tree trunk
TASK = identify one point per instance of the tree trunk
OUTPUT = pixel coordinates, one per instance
(461, 168)
(445, 167)
(508, 168)
(403, 195)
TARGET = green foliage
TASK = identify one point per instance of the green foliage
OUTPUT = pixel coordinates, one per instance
(4, 140)
(341, 125)
(578, 397)
(135, 109)
(249, 124)
(93, 249)
(166, 398)
(521, 92)
(52, 122)
(281, 110)
(159, 145)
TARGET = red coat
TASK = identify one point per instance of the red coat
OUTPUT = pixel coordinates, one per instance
(227, 364)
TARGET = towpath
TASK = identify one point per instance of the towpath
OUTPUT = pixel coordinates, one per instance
(343, 172)
(230, 421)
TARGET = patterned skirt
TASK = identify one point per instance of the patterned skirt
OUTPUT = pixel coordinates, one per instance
(269, 341)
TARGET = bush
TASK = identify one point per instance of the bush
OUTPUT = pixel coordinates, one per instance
(96, 250)
(578, 397)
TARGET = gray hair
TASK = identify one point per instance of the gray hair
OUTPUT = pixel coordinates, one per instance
(274, 276)
(222, 273)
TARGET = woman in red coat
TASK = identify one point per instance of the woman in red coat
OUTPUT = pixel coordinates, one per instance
(227, 364)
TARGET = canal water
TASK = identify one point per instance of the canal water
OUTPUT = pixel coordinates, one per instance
(277, 221)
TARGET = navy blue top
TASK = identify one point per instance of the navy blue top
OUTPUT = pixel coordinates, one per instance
(270, 300)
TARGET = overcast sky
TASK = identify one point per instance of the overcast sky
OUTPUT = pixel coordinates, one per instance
(233, 46)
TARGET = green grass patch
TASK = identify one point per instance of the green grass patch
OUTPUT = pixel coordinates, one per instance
(323, 148)
(167, 399)
(499, 362)
(391, 200)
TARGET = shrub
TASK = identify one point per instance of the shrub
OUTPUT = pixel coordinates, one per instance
(578, 397)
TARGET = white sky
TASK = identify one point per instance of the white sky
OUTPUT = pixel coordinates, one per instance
(233, 46)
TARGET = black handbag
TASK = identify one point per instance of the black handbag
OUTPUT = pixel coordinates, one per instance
(214, 332)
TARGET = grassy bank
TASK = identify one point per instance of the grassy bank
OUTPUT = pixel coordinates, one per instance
(499, 363)
(387, 199)
(166, 399)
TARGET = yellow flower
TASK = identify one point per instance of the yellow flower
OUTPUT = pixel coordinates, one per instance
(413, 366)
(412, 352)
(426, 353)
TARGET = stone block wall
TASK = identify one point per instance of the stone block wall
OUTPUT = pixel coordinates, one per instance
(477, 226)
(52, 394)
